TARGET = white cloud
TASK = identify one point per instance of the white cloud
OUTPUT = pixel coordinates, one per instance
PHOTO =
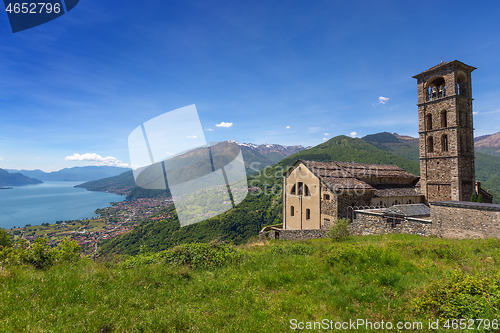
(1, 158)
(383, 100)
(192, 137)
(287, 127)
(209, 129)
(224, 124)
(353, 134)
(313, 129)
(324, 139)
(475, 112)
(326, 134)
(97, 159)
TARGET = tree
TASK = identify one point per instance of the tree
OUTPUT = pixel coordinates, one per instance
(4, 238)
(473, 197)
(480, 198)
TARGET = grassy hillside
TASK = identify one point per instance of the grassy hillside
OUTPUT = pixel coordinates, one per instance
(344, 148)
(261, 287)
(490, 150)
(262, 207)
(386, 141)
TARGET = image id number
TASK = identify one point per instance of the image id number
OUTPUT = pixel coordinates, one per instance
(33, 8)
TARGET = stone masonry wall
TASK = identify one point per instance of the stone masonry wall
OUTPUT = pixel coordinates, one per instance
(297, 234)
(376, 224)
(461, 219)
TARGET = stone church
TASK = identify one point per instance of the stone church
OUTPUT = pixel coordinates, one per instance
(316, 194)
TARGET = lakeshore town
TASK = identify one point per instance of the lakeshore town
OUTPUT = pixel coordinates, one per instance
(112, 221)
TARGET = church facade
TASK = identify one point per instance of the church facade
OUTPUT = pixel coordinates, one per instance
(316, 194)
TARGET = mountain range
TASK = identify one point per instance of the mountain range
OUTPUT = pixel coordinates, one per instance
(256, 157)
(85, 173)
(16, 179)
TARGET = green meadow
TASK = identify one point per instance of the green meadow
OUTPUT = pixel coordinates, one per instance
(257, 287)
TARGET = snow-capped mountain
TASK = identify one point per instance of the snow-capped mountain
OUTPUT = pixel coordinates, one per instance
(274, 152)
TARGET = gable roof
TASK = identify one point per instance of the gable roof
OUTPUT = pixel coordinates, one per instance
(334, 176)
(346, 175)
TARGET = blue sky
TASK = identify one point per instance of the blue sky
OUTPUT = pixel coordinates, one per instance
(287, 72)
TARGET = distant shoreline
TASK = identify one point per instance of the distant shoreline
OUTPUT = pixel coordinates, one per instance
(6, 188)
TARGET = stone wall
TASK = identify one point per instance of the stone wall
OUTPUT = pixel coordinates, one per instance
(295, 234)
(461, 219)
(348, 199)
(374, 223)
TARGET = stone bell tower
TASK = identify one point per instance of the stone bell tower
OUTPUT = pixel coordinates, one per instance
(446, 132)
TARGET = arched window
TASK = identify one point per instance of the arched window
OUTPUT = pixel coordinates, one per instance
(444, 121)
(293, 190)
(292, 211)
(430, 144)
(308, 214)
(428, 122)
(444, 142)
(301, 188)
(436, 89)
(306, 191)
(462, 84)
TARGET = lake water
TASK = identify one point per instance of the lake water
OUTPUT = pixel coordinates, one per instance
(50, 202)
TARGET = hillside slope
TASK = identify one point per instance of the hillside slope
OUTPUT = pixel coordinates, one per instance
(488, 144)
(16, 179)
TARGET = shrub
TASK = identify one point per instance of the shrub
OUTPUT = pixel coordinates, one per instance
(39, 254)
(4, 238)
(194, 255)
(461, 296)
(340, 230)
